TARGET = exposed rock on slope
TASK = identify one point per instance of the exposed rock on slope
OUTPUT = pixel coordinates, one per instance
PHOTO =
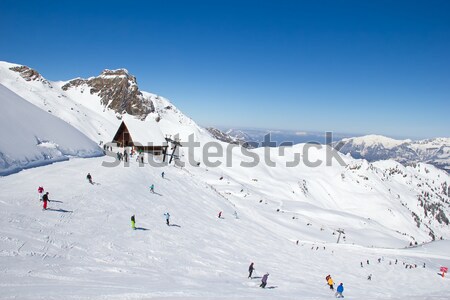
(118, 91)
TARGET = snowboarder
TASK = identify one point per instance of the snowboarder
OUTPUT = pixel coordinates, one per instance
(331, 283)
(89, 178)
(167, 218)
(152, 188)
(339, 291)
(162, 175)
(40, 192)
(45, 199)
(133, 222)
(220, 215)
(264, 280)
(369, 277)
(250, 270)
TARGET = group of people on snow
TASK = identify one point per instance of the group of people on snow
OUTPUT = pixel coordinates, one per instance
(251, 268)
(43, 197)
(133, 220)
(340, 288)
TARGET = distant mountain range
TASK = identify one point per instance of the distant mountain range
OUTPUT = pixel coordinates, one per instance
(370, 147)
(254, 137)
(376, 147)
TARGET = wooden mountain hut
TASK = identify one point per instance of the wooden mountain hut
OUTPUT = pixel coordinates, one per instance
(141, 135)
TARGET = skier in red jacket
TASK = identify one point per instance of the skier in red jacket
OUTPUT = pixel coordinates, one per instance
(45, 199)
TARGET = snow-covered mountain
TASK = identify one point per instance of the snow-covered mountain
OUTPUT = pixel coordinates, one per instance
(96, 105)
(84, 247)
(375, 147)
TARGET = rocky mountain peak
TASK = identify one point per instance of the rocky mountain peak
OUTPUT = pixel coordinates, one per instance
(29, 74)
(118, 91)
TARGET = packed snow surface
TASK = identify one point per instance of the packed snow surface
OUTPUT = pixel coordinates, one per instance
(84, 247)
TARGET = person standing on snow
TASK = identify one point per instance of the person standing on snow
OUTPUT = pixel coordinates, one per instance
(220, 215)
(162, 175)
(264, 280)
(152, 188)
(250, 270)
(330, 283)
(45, 199)
(89, 178)
(133, 222)
(339, 291)
(167, 218)
(40, 192)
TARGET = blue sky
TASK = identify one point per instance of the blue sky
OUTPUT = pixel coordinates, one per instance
(345, 66)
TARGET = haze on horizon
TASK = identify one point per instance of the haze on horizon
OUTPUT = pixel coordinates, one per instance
(347, 67)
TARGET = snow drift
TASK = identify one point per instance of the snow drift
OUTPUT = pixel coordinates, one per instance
(32, 137)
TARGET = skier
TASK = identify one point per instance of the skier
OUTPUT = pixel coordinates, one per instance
(45, 199)
(367, 261)
(361, 265)
(369, 277)
(167, 218)
(133, 222)
(152, 188)
(162, 175)
(220, 214)
(330, 283)
(89, 178)
(339, 291)
(264, 280)
(40, 192)
(250, 270)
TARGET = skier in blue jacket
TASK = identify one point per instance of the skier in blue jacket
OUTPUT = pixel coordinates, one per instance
(339, 291)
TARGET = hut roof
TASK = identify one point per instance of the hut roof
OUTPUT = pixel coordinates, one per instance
(144, 132)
